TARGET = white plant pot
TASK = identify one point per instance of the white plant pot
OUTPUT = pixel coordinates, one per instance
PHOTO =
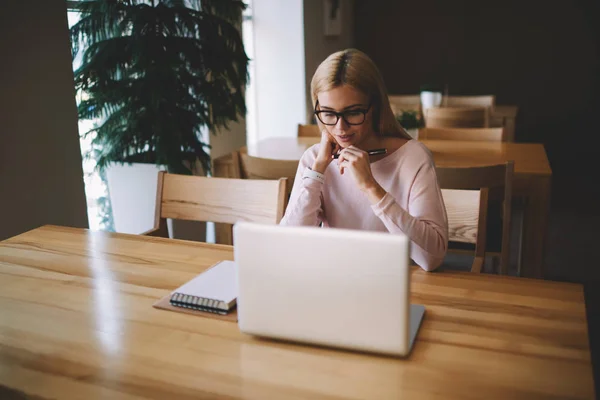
(431, 99)
(132, 191)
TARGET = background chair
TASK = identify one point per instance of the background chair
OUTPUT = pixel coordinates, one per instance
(470, 101)
(267, 168)
(457, 117)
(311, 130)
(400, 103)
(199, 198)
(495, 119)
(469, 134)
(495, 195)
(466, 192)
(405, 98)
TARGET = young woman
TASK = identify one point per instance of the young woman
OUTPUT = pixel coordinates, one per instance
(392, 192)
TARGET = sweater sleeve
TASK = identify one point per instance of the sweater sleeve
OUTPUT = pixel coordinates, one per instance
(425, 222)
(305, 207)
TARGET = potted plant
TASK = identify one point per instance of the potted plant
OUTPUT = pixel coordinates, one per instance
(157, 76)
(431, 96)
(411, 121)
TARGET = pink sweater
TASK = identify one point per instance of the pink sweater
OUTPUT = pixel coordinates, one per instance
(413, 204)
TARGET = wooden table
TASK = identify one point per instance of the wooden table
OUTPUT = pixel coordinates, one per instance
(505, 116)
(76, 321)
(532, 178)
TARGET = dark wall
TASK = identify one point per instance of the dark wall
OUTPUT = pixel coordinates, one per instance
(540, 55)
(41, 178)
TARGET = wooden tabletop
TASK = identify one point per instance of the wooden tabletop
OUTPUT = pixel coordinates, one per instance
(529, 158)
(76, 321)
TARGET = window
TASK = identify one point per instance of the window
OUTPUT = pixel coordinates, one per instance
(96, 189)
(248, 38)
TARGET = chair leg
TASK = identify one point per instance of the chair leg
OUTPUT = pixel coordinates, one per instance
(522, 205)
(477, 265)
(496, 267)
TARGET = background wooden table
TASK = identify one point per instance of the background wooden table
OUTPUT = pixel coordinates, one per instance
(532, 178)
(506, 117)
(76, 320)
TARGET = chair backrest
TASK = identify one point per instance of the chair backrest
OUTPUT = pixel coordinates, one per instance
(467, 211)
(311, 130)
(469, 134)
(469, 101)
(401, 103)
(405, 98)
(462, 208)
(412, 100)
(457, 117)
(221, 200)
(267, 168)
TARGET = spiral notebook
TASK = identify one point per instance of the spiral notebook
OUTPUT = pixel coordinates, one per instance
(214, 290)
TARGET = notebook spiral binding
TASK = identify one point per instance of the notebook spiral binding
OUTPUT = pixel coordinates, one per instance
(198, 303)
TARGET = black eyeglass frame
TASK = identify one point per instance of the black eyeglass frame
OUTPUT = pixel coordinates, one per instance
(339, 115)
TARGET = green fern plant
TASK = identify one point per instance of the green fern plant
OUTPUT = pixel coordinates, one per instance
(157, 74)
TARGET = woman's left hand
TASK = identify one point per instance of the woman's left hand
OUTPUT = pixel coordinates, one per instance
(356, 162)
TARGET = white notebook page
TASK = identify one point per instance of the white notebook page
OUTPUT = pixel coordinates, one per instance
(217, 283)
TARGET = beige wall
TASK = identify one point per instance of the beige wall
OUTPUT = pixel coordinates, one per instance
(279, 74)
(226, 141)
(41, 179)
(317, 46)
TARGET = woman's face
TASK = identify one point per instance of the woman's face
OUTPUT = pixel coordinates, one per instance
(354, 105)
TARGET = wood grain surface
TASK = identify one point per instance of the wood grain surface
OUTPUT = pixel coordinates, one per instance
(462, 207)
(76, 321)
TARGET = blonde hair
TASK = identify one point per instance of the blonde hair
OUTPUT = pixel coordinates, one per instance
(354, 68)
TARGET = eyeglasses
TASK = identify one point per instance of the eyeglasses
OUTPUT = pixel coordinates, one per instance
(355, 116)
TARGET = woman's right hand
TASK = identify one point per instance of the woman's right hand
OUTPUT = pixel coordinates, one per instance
(328, 148)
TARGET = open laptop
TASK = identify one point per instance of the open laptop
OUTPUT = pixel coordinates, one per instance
(332, 287)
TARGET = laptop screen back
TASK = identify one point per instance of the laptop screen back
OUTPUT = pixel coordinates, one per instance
(334, 287)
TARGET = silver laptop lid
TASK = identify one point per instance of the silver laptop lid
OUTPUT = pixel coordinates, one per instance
(334, 287)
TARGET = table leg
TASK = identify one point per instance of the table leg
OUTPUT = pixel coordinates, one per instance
(535, 227)
(509, 129)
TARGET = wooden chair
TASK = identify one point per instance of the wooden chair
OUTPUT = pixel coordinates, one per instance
(469, 134)
(457, 117)
(469, 101)
(401, 103)
(224, 200)
(309, 130)
(405, 98)
(267, 168)
(466, 193)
